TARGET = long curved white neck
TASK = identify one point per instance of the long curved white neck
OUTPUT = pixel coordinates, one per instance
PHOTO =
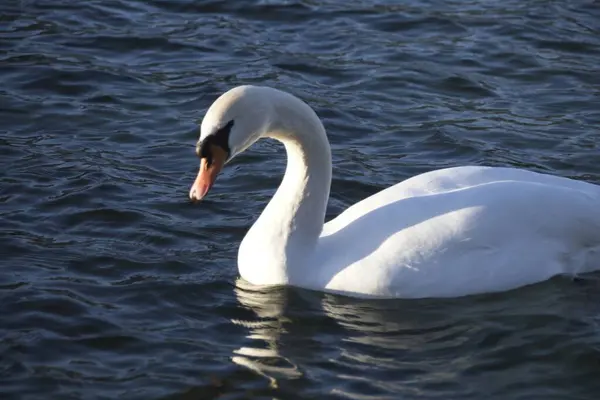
(277, 246)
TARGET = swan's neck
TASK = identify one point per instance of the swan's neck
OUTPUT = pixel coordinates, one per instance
(277, 248)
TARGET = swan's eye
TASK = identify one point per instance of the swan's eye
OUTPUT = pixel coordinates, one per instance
(219, 138)
(203, 149)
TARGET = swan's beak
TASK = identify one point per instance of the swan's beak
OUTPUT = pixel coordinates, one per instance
(208, 172)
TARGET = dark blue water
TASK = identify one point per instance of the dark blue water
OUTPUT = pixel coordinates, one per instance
(114, 286)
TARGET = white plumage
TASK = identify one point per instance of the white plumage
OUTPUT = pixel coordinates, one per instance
(450, 232)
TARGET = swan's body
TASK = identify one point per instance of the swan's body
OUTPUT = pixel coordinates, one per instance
(450, 232)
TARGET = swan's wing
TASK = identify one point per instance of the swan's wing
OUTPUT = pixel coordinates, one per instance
(481, 238)
(444, 180)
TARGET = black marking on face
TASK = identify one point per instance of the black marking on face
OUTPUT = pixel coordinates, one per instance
(219, 138)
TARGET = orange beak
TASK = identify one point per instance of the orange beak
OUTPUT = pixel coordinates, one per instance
(208, 173)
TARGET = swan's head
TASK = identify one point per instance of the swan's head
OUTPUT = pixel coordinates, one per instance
(236, 120)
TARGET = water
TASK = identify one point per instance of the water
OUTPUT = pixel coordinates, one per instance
(112, 285)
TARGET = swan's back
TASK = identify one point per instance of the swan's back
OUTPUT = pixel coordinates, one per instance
(460, 231)
(448, 179)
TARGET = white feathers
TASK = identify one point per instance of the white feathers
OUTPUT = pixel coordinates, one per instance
(450, 232)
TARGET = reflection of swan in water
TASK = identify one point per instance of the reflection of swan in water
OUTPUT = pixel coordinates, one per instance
(399, 336)
(346, 333)
(404, 348)
(268, 304)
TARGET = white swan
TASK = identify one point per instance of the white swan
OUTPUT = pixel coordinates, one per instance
(445, 233)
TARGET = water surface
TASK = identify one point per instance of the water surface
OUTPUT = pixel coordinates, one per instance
(112, 285)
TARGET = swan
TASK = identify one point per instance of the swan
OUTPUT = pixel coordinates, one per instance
(446, 233)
